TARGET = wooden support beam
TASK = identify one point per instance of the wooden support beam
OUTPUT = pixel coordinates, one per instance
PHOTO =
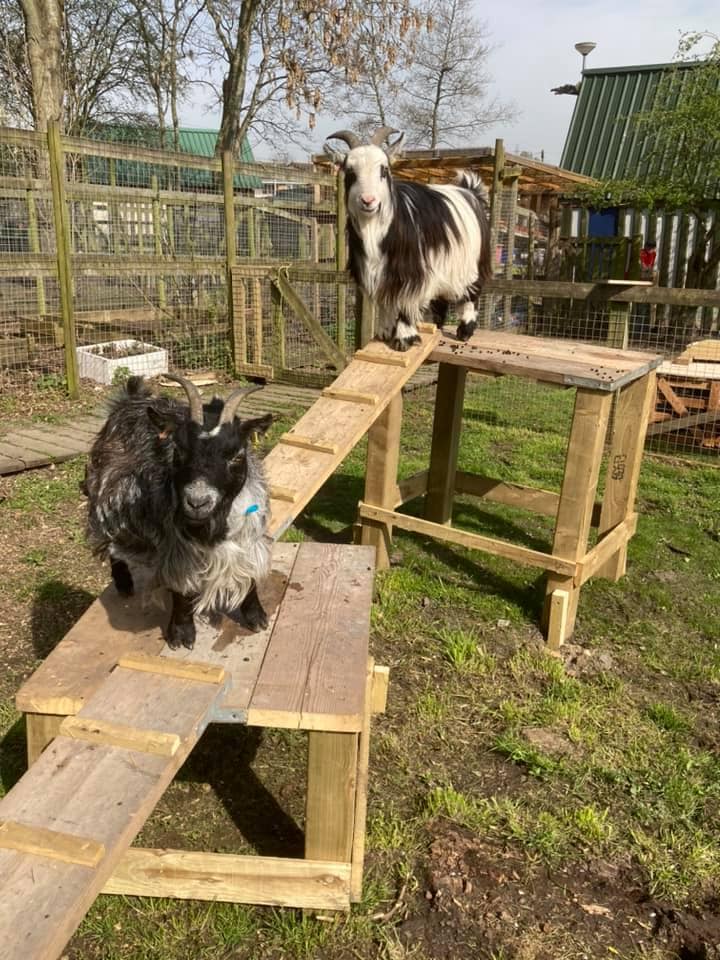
(41, 842)
(40, 730)
(297, 305)
(379, 689)
(182, 669)
(357, 856)
(381, 474)
(284, 493)
(231, 878)
(157, 742)
(500, 548)
(612, 543)
(447, 425)
(559, 603)
(330, 806)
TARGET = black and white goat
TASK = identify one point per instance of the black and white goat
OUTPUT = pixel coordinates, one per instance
(177, 492)
(413, 248)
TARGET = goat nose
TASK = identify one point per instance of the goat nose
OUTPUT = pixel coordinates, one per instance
(368, 199)
(197, 500)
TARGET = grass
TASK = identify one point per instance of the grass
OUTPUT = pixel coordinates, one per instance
(550, 765)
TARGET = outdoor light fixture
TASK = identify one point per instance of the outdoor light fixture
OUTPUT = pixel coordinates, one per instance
(584, 48)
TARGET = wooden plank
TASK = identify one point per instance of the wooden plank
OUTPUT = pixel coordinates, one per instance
(628, 442)
(37, 440)
(475, 541)
(92, 791)
(368, 355)
(11, 464)
(110, 627)
(330, 800)
(672, 398)
(283, 493)
(322, 630)
(306, 443)
(410, 488)
(52, 844)
(379, 688)
(357, 854)
(383, 454)
(633, 293)
(352, 396)
(683, 423)
(577, 497)
(185, 670)
(229, 878)
(447, 424)
(157, 742)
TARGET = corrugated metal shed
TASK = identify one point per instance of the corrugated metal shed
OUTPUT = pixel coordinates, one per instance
(197, 142)
(603, 141)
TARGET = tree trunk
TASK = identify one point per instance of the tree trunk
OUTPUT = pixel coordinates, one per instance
(234, 82)
(43, 33)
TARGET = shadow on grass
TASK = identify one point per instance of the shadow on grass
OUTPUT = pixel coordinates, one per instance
(13, 757)
(56, 607)
(223, 759)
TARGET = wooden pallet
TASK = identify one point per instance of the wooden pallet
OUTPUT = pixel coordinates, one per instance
(687, 404)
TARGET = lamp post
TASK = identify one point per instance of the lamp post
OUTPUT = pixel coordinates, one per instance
(584, 48)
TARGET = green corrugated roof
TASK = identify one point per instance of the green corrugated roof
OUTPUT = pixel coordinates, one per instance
(603, 141)
(197, 142)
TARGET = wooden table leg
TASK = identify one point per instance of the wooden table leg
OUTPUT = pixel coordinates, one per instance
(331, 788)
(631, 418)
(40, 730)
(445, 442)
(381, 476)
(577, 499)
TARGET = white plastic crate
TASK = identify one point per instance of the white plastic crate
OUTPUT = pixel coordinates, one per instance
(97, 365)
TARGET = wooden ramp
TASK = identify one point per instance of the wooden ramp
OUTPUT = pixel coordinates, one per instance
(69, 820)
(308, 454)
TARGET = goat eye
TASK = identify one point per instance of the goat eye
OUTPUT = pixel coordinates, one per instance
(384, 173)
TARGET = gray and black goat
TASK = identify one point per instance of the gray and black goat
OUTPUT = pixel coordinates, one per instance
(176, 489)
(415, 248)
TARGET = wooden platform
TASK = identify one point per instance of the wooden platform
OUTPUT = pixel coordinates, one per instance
(308, 671)
(601, 376)
(687, 405)
(565, 362)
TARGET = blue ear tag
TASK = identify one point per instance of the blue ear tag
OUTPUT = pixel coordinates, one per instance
(253, 508)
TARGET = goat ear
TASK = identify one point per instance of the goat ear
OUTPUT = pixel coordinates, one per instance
(164, 425)
(257, 427)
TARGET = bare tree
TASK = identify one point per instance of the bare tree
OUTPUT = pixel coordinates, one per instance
(16, 103)
(44, 20)
(283, 56)
(164, 30)
(446, 100)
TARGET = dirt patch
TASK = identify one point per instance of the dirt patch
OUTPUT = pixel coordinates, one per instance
(483, 901)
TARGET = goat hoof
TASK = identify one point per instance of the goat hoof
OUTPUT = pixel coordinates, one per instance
(465, 330)
(401, 344)
(254, 617)
(181, 635)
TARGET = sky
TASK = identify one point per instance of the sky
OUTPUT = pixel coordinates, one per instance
(534, 51)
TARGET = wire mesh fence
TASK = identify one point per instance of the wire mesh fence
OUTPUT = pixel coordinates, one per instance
(144, 235)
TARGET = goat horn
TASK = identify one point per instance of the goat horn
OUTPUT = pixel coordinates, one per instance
(350, 138)
(193, 395)
(233, 402)
(381, 135)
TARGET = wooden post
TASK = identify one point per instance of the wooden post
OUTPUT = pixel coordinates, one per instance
(62, 243)
(238, 355)
(632, 410)
(114, 212)
(256, 288)
(485, 318)
(330, 806)
(278, 331)
(445, 442)
(618, 325)
(34, 235)
(364, 319)
(40, 730)
(575, 509)
(383, 454)
(512, 186)
(341, 261)
(157, 235)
